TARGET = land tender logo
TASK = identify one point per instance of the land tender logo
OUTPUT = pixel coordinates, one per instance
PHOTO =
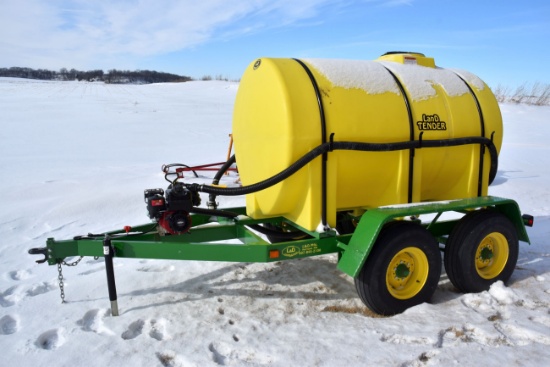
(291, 251)
(431, 122)
(302, 250)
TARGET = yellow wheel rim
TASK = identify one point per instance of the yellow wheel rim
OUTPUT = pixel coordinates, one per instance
(492, 255)
(407, 273)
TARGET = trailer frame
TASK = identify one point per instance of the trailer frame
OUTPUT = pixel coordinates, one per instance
(232, 239)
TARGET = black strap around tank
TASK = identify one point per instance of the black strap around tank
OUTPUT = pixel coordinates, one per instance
(482, 123)
(411, 129)
(323, 141)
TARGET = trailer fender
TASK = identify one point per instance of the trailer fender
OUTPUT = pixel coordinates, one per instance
(357, 250)
(360, 244)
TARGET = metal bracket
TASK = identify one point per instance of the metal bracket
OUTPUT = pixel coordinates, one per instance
(40, 251)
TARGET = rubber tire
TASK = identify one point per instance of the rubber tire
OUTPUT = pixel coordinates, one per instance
(371, 281)
(462, 245)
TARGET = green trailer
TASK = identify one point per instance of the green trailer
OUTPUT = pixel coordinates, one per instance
(393, 255)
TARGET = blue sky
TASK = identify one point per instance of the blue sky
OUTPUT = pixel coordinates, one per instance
(504, 42)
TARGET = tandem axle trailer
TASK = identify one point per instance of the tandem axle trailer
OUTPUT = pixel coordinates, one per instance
(392, 254)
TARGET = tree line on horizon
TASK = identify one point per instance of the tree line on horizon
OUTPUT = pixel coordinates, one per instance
(112, 76)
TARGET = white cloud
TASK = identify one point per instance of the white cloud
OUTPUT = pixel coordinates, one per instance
(84, 32)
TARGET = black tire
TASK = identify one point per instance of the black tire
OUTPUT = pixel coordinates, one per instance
(482, 248)
(402, 270)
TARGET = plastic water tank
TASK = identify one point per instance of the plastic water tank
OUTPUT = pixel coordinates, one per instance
(286, 107)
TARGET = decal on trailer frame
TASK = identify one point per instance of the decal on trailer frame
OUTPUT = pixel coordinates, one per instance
(305, 249)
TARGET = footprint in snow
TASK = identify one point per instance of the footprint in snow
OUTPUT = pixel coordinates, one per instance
(19, 274)
(93, 321)
(9, 325)
(156, 329)
(134, 330)
(226, 354)
(171, 359)
(51, 339)
(41, 288)
(11, 296)
(217, 357)
(14, 294)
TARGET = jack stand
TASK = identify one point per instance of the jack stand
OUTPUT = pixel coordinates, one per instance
(109, 252)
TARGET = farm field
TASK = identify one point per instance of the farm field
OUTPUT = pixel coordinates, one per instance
(75, 158)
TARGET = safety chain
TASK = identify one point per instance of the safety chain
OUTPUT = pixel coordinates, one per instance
(60, 276)
(61, 286)
(74, 263)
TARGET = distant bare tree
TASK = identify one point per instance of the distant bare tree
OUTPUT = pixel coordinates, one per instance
(112, 76)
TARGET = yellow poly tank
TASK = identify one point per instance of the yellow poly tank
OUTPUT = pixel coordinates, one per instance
(282, 105)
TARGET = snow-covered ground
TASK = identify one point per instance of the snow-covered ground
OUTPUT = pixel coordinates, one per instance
(75, 158)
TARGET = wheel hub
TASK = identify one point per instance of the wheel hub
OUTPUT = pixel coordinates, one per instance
(486, 253)
(402, 270)
(491, 255)
(407, 273)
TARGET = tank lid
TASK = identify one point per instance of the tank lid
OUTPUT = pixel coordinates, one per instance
(410, 58)
(403, 52)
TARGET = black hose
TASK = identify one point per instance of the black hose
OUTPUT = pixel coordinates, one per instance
(346, 145)
(214, 212)
(223, 169)
(235, 191)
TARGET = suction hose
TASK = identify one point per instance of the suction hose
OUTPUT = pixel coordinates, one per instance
(212, 197)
